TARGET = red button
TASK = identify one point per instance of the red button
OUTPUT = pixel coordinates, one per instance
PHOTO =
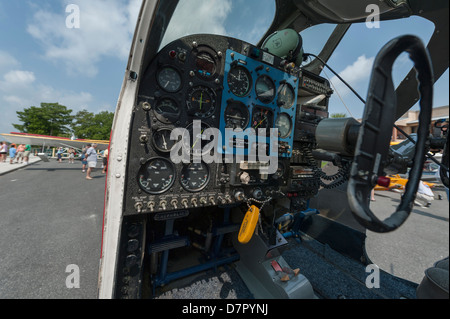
(384, 181)
(276, 266)
(172, 54)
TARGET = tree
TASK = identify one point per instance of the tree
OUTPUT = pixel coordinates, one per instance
(103, 122)
(48, 119)
(82, 123)
(88, 125)
(338, 115)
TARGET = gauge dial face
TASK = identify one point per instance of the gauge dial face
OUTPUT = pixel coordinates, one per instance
(194, 177)
(167, 106)
(156, 176)
(162, 141)
(286, 96)
(265, 89)
(239, 81)
(236, 115)
(206, 65)
(201, 102)
(262, 118)
(284, 125)
(169, 79)
(195, 140)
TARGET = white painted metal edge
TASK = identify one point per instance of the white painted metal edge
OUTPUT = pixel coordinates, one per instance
(114, 193)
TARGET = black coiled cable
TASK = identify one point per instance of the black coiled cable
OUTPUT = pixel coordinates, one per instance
(336, 179)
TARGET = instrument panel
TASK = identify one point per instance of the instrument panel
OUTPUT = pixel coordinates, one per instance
(206, 86)
(257, 95)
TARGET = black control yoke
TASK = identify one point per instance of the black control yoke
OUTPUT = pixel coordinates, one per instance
(375, 134)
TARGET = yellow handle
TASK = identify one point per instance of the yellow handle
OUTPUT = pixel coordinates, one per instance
(248, 225)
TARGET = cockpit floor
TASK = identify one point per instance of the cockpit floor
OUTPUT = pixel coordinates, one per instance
(332, 275)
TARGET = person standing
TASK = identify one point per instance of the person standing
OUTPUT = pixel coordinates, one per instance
(59, 154)
(424, 195)
(71, 156)
(3, 151)
(83, 157)
(105, 161)
(19, 154)
(91, 157)
(12, 153)
(26, 153)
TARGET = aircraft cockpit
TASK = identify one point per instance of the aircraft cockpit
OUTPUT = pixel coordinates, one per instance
(221, 149)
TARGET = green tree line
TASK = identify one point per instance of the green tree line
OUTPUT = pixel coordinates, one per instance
(57, 120)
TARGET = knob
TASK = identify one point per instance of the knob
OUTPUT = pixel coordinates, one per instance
(245, 178)
(239, 196)
(174, 203)
(143, 139)
(146, 106)
(257, 193)
(185, 203)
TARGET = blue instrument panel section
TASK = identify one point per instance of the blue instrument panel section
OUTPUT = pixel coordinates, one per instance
(256, 96)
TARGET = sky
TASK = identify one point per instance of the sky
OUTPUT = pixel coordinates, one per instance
(42, 60)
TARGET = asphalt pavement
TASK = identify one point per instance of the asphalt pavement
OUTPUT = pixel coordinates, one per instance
(416, 245)
(50, 220)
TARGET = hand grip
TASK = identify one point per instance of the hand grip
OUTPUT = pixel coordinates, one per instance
(375, 133)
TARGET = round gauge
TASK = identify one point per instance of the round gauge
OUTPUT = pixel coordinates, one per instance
(195, 140)
(156, 176)
(201, 101)
(262, 118)
(206, 65)
(194, 177)
(284, 125)
(167, 106)
(162, 141)
(265, 89)
(236, 115)
(169, 79)
(239, 81)
(286, 96)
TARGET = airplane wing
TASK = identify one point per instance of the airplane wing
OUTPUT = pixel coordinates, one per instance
(52, 141)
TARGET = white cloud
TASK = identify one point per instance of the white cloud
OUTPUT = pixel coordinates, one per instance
(18, 98)
(7, 61)
(198, 16)
(19, 78)
(106, 30)
(355, 74)
(21, 89)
